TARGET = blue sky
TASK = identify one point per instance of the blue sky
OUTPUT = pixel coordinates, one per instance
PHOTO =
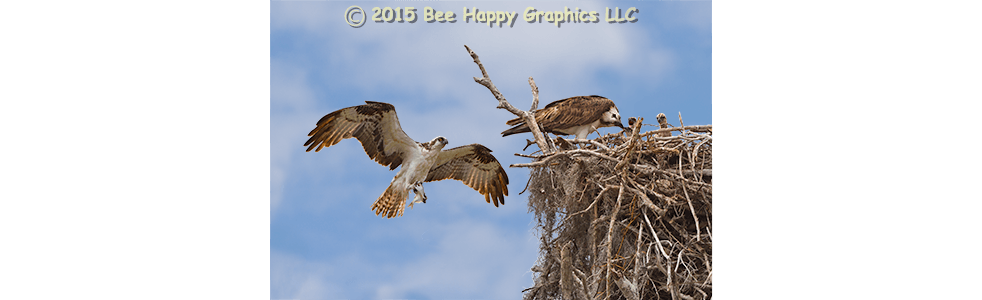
(326, 243)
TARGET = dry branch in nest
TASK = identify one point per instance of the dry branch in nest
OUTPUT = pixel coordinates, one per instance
(503, 103)
(622, 216)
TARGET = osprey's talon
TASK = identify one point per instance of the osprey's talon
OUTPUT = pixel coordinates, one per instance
(420, 197)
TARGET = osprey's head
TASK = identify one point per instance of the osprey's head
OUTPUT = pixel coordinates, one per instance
(662, 120)
(437, 143)
(612, 118)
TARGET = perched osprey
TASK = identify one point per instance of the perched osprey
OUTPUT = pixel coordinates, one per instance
(578, 116)
(663, 124)
(377, 127)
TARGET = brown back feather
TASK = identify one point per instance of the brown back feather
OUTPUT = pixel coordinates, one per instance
(564, 113)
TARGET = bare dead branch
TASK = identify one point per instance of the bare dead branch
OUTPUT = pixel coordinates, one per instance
(530, 143)
(528, 156)
(610, 232)
(696, 128)
(589, 142)
(566, 153)
(631, 144)
(628, 289)
(503, 103)
(693, 210)
(592, 203)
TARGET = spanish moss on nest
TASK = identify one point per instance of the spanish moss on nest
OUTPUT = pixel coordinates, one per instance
(624, 216)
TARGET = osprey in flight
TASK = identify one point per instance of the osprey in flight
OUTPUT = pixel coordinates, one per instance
(376, 126)
(578, 116)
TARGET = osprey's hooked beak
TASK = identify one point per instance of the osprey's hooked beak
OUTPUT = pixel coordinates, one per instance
(443, 140)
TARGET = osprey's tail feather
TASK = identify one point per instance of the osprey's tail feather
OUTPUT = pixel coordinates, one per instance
(392, 203)
(514, 121)
(517, 129)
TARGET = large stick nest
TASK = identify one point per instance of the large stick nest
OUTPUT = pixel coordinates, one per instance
(625, 216)
(622, 217)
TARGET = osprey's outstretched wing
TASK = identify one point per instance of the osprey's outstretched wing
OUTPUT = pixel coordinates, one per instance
(476, 167)
(374, 124)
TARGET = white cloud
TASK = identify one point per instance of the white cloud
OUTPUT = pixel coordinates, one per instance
(472, 259)
(292, 277)
(285, 274)
(290, 96)
(695, 15)
(467, 259)
(430, 58)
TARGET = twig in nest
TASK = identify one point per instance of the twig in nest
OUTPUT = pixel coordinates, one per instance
(695, 155)
(530, 143)
(651, 205)
(628, 289)
(566, 270)
(588, 207)
(693, 210)
(648, 169)
(653, 233)
(659, 150)
(589, 142)
(631, 143)
(610, 231)
(528, 156)
(562, 144)
(526, 185)
(695, 128)
(561, 154)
